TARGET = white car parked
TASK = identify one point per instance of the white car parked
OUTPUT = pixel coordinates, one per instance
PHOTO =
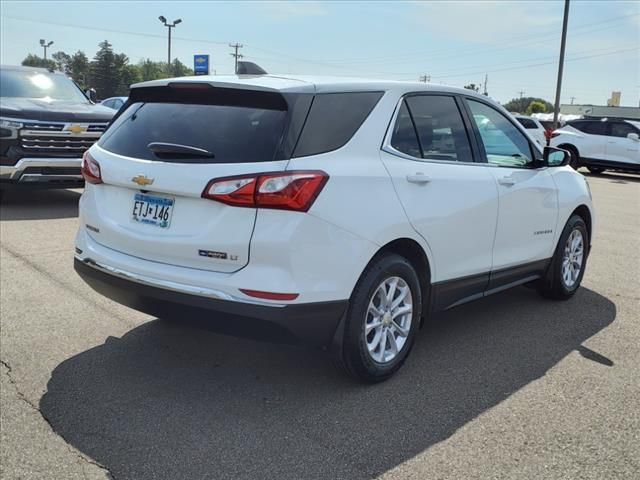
(601, 144)
(344, 212)
(534, 128)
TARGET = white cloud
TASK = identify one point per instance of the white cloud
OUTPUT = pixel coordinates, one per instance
(287, 10)
(488, 21)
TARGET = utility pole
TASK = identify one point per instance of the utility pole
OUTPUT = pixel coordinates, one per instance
(486, 77)
(425, 78)
(45, 45)
(236, 55)
(521, 92)
(563, 42)
(572, 99)
(169, 27)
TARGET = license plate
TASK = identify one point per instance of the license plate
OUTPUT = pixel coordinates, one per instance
(152, 210)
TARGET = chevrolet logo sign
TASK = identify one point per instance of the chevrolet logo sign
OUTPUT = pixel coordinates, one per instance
(76, 129)
(142, 180)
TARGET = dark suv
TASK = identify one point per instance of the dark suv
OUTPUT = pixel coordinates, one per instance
(46, 124)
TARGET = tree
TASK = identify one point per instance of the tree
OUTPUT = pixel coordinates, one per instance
(62, 61)
(78, 68)
(536, 106)
(32, 60)
(150, 70)
(520, 105)
(130, 74)
(472, 86)
(179, 69)
(104, 77)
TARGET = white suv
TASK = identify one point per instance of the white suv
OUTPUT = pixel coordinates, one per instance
(601, 144)
(341, 213)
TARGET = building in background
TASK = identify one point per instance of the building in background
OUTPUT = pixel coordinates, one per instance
(602, 111)
(614, 101)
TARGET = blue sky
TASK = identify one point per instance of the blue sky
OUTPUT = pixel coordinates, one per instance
(455, 42)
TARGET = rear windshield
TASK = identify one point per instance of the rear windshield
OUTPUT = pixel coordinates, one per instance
(526, 123)
(233, 134)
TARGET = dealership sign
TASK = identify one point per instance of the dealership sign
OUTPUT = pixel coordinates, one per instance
(201, 64)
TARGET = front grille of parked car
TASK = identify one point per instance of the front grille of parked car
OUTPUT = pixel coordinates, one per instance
(56, 139)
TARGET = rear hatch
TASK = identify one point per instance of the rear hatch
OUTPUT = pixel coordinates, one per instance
(161, 152)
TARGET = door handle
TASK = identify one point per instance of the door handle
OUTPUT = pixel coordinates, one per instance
(506, 181)
(419, 178)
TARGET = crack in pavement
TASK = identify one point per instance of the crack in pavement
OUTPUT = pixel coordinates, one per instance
(28, 402)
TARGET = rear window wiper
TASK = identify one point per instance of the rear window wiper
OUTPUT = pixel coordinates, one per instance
(175, 149)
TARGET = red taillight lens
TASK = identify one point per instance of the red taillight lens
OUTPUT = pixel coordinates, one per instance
(296, 190)
(90, 169)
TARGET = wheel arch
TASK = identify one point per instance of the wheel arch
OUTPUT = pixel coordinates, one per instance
(583, 212)
(416, 255)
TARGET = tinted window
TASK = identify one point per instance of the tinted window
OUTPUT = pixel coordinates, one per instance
(404, 137)
(333, 119)
(621, 129)
(503, 143)
(591, 127)
(108, 103)
(117, 103)
(441, 132)
(36, 84)
(233, 134)
(527, 123)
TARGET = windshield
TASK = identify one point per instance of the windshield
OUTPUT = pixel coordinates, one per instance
(34, 84)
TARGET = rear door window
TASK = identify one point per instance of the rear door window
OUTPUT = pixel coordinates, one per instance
(333, 119)
(404, 138)
(441, 131)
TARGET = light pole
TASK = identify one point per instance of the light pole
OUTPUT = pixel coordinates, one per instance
(169, 27)
(563, 42)
(45, 45)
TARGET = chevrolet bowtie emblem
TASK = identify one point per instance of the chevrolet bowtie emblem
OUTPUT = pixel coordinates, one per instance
(142, 180)
(76, 128)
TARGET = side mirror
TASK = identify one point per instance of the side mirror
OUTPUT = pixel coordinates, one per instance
(633, 136)
(91, 94)
(555, 157)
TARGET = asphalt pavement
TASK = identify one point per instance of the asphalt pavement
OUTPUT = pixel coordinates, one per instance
(511, 386)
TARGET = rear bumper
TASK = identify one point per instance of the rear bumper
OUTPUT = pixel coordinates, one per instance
(39, 171)
(308, 323)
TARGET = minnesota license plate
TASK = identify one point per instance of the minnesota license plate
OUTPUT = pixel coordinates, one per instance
(152, 210)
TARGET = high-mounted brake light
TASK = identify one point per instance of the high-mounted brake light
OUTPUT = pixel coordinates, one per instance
(294, 190)
(90, 169)
(190, 85)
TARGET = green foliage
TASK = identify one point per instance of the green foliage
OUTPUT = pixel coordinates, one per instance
(536, 107)
(110, 73)
(472, 86)
(32, 60)
(520, 105)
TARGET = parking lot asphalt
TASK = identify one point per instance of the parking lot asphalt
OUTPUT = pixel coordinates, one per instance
(512, 386)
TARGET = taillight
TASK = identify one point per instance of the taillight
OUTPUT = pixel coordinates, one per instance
(90, 169)
(295, 190)
(554, 134)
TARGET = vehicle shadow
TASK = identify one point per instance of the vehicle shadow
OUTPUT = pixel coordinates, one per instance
(614, 177)
(169, 401)
(25, 204)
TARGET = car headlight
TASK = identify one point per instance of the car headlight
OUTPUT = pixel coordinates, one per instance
(9, 128)
(8, 123)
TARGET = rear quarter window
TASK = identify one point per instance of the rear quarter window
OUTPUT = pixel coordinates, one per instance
(527, 123)
(333, 119)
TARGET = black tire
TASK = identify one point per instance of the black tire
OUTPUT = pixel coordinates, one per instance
(353, 355)
(574, 161)
(553, 285)
(596, 170)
